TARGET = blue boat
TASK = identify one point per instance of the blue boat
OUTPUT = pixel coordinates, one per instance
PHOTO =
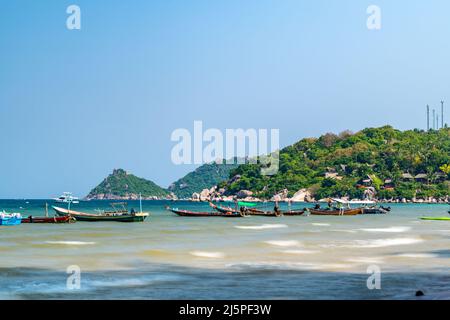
(12, 219)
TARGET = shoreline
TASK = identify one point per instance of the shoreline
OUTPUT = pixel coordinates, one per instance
(244, 200)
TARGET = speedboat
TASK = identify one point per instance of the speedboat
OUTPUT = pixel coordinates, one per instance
(67, 197)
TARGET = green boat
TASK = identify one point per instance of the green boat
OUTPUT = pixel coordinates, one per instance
(436, 218)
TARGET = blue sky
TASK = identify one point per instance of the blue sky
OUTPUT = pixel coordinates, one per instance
(76, 104)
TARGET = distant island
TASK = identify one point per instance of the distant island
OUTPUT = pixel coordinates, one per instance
(376, 163)
(122, 185)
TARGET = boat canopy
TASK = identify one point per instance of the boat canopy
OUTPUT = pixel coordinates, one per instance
(354, 201)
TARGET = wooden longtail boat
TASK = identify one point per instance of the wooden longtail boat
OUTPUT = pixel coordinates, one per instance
(187, 213)
(293, 212)
(223, 209)
(55, 219)
(376, 210)
(342, 212)
(257, 212)
(119, 216)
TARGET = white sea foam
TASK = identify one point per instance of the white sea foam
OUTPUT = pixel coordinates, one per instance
(343, 230)
(367, 260)
(72, 243)
(389, 229)
(321, 224)
(283, 243)
(379, 243)
(289, 265)
(300, 251)
(208, 254)
(262, 227)
(417, 255)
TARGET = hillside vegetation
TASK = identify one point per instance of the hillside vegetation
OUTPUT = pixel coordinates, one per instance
(204, 177)
(123, 185)
(393, 163)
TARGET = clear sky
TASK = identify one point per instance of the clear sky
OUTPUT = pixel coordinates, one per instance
(76, 104)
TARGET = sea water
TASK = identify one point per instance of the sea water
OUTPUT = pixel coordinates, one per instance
(172, 257)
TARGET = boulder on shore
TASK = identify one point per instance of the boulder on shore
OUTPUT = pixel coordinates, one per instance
(281, 196)
(244, 194)
(204, 195)
(195, 197)
(302, 195)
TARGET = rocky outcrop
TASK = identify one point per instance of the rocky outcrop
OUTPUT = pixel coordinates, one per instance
(302, 195)
(205, 195)
(244, 194)
(282, 196)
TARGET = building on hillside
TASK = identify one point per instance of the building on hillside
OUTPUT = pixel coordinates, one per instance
(388, 185)
(407, 176)
(421, 178)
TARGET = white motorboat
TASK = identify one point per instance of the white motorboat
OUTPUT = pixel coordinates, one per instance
(67, 197)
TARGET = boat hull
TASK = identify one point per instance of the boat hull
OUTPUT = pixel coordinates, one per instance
(374, 211)
(10, 221)
(436, 218)
(293, 213)
(61, 219)
(88, 217)
(261, 213)
(347, 212)
(186, 213)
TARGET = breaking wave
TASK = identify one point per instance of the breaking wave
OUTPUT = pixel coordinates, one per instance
(262, 227)
(208, 254)
(72, 243)
(389, 229)
(283, 243)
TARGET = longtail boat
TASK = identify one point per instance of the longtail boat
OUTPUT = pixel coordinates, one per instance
(332, 212)
(118, 215)
(376, 210)
(293, 212)
(55, 219)
(223, 209)
(187, 213)
(257, 212)
(342, 209)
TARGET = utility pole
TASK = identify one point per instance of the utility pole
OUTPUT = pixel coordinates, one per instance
(434, 119)
(428, 117)
(442, 113)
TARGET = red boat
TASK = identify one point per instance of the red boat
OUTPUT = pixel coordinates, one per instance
(31, 219)
(186, 213)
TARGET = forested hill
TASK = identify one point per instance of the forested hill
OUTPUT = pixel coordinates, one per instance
(124, 185)
(204, 177)
(393, 163)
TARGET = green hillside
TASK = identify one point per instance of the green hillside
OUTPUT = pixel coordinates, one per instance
(123, 185)
(394, 163)
(204, 177)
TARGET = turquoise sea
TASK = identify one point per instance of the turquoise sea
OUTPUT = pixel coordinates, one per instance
(171, 257)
